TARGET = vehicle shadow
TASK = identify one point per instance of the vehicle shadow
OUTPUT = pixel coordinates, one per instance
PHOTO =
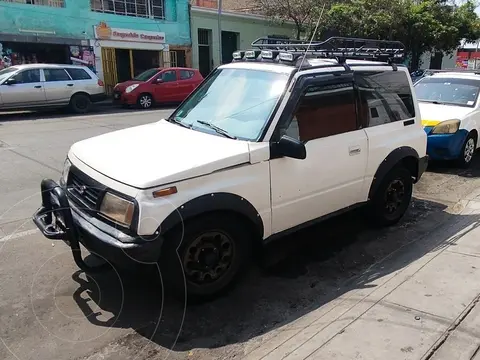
(57, 113)
(298, 274)
(449, 167)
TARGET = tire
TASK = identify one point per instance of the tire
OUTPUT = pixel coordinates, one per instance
(467, 152)
(392, 198)
(145, 101)
(80, 103)
(206, 241)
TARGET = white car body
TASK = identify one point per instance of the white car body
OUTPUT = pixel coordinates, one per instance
(160, 155)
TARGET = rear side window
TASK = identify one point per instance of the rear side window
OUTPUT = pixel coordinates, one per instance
(78, 74)
(384, 97)
(186, 74)
(55, 75)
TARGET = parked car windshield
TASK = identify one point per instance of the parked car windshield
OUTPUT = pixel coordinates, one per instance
(6, 72)
(146, 75)
(239, 101)
(451, 91)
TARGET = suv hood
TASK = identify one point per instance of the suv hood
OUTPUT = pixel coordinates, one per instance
(437, 112)
(159, 153)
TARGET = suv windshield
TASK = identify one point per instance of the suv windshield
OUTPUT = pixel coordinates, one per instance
(451, 91)
(238, 101)
(6, 72)
(146, 75)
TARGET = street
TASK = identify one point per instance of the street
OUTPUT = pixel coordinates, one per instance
(50, 310)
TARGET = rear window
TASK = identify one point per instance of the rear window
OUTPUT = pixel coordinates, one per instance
(186, 74)
(451, 91)
(78, 74)
(385, 97)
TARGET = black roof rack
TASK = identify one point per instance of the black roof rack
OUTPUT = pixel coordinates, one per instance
(340, 48)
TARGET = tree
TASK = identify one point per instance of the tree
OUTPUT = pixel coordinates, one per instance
(422, 25)
(301, 12)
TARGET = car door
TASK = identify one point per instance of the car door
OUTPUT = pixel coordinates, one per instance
(27, 89)
(322, 114)
(59, 87)
(185, 83)
(167, 89)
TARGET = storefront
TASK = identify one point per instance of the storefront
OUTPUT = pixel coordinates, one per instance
(32, 49)
(125, 53)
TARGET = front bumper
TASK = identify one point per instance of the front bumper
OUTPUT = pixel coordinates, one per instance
(124, 98)
(445, 146)
(57, 219)
(422, 166)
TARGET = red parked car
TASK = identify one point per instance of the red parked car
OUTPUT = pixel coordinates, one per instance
(157, 85)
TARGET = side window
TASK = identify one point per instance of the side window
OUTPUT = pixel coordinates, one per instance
(169, 76)
(186, 74)
(28, 76)
(78, 74)
(55, 75)
(384, 97)
(324, 110)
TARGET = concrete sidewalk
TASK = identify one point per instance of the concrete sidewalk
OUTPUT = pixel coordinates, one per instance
(418, 303)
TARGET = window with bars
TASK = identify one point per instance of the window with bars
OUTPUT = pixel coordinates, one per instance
(52, 3)
(139, 8)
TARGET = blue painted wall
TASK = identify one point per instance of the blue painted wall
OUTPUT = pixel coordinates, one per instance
(76, 20)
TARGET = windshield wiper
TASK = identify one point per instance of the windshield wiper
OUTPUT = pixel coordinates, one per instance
(217, 129)
(178, 122)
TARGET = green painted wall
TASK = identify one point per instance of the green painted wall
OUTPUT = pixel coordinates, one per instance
(249, 30)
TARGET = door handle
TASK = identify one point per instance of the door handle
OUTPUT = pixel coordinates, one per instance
(69, 84)
(38, 86)
(354, 150)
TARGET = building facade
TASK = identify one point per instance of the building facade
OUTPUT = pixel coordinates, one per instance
(117, 38)
(238, 30)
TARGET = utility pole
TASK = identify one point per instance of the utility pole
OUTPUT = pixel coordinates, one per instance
(220, 31)
(475, 60)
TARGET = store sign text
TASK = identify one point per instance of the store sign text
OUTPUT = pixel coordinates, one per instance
(105, 32)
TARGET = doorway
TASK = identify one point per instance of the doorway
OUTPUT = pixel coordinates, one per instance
(229, 45)
(123, 64)
(204, 51)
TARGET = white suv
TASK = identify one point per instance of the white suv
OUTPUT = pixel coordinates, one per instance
(264, 146)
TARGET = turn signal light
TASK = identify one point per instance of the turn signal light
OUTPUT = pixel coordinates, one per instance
(164, 192)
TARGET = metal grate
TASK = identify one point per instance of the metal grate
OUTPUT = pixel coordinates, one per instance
(52, 3)
(83, 190)
(204, 37)
(154, 9)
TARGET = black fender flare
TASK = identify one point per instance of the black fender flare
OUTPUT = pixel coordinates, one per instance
(389, 162)
(213, 202)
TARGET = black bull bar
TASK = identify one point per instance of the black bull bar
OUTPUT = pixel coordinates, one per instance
(54, 219)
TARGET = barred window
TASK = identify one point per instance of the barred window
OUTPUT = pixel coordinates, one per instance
(153, 9)
(52, 3)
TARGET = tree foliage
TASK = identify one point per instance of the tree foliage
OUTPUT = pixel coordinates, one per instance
(436, 26)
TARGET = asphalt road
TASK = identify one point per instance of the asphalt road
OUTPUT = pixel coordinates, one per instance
(49, 310)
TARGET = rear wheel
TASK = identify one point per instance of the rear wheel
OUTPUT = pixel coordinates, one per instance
(206, 257)
(468, 151)
(80, 103)
(145, 101)
(392, 197)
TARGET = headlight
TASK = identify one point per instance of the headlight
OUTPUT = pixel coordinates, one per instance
(130, 88)
(117, 209)
(447, 127)
(66, 170)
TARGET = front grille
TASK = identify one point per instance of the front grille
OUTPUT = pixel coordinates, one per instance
(83, 190)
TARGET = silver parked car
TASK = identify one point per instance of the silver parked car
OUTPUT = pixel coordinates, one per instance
(46, 85)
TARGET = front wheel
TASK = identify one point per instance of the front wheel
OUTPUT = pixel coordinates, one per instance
(145, 101)
(392, 198)
(468, 150)
(206, 257)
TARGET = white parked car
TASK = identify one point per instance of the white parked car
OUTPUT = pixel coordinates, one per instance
(36, 86)
(264, 146)
(450, 115)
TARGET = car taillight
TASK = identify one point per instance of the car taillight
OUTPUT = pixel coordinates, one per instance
(100, 82)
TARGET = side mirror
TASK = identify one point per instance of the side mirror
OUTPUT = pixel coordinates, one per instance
(159, 81)
(289, 147)
(10, 81)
